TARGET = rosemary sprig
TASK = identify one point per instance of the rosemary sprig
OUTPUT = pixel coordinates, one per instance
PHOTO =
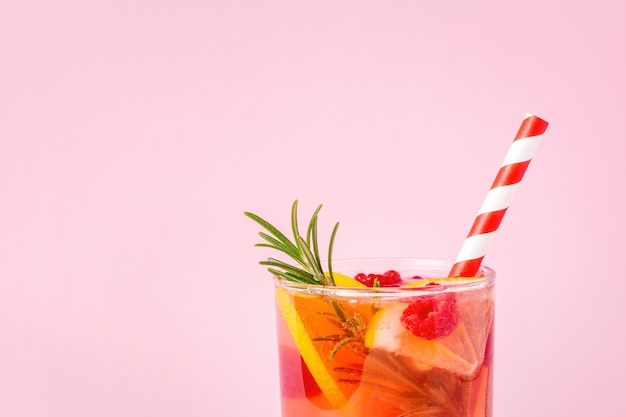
(395, 379)
(303, 250)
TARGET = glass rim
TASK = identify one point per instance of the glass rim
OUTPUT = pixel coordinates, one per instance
(432, 265)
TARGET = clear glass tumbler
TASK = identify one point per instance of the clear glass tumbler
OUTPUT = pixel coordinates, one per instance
(422, 349)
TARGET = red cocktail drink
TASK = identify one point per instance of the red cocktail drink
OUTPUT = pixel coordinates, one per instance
(423, 347)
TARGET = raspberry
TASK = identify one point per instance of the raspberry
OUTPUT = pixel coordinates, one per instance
(432, 316)
(390, 278)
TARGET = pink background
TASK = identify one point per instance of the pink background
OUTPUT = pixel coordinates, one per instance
(133, 134)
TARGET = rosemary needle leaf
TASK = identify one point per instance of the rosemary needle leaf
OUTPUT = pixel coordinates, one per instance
(330, 252)
(294, 222)
(311, 237)
(275, 242)
(310, 258)
(287, 268)
(312, 224)
(289, 277)
(295, 257)
(273, 230)
(292, 251)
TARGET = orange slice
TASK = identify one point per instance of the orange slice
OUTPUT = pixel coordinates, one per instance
(309, 317)
(454, 352)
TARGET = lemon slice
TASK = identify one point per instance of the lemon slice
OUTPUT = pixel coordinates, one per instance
(342, 280)
(311, 319)
(443, 281)
(314, 361)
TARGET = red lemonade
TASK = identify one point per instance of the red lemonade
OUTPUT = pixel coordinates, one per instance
(420, 348)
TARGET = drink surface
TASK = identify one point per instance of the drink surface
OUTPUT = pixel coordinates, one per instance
(356, 352)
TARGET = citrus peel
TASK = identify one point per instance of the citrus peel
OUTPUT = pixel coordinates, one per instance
(307, 318)
(441, 281)
(342, 280)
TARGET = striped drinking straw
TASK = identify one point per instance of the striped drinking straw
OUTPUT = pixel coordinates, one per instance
(499, 197)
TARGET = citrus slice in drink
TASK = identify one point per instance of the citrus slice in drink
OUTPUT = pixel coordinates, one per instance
(317, 325)
(454, 352)
(342, 280)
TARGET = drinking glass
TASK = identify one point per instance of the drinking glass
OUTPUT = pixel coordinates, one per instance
(424, 348)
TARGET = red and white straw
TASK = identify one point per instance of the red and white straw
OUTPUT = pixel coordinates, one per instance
(499, 197)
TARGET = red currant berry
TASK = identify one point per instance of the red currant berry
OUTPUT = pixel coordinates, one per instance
(391, 278)
(366, 280)
(388, 279)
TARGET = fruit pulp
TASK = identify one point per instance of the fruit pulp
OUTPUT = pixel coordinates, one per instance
(344, 352)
